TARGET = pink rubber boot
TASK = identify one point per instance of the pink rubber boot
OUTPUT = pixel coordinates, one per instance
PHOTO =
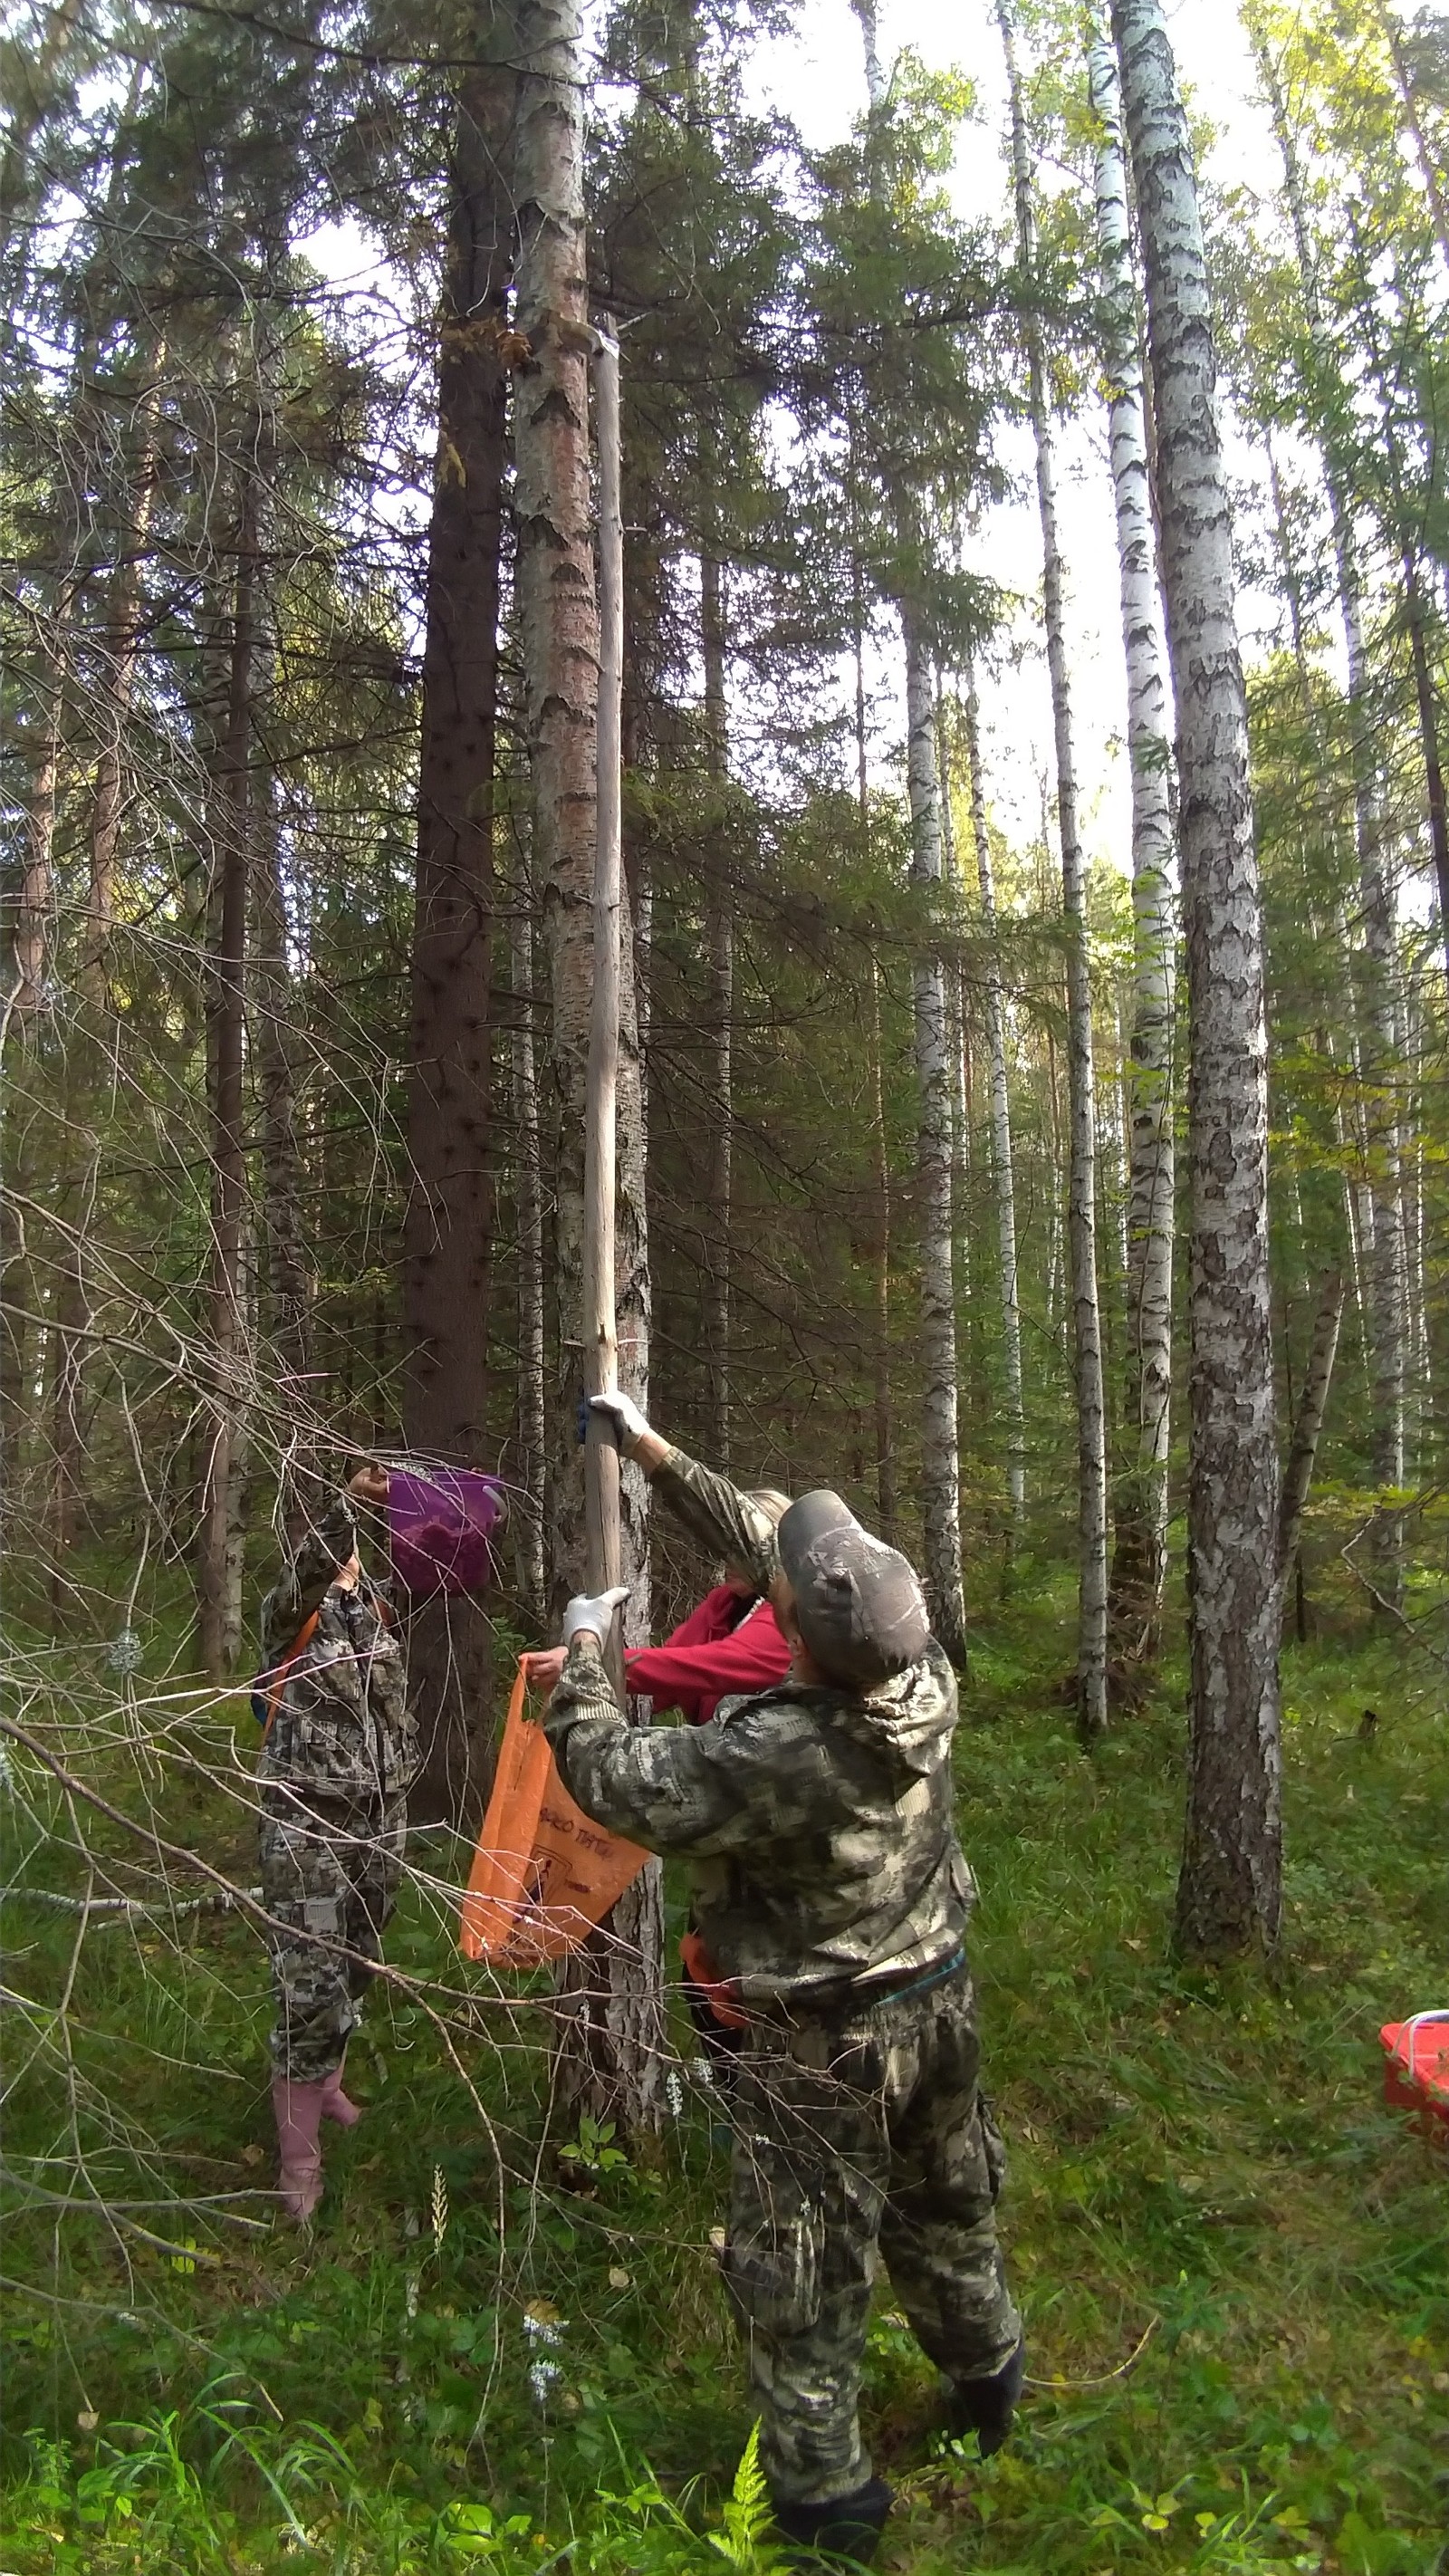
(335, 2104)
(298, 2109)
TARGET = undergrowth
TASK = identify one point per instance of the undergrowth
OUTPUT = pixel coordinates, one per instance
(1231, 2257)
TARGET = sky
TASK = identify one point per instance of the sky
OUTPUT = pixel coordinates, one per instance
(816, 77)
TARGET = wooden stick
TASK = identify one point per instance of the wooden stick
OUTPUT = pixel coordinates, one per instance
(1312, 1405)
(602, 1538)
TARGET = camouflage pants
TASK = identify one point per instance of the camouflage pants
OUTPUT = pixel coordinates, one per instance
(332, 1872)
(854, 2136)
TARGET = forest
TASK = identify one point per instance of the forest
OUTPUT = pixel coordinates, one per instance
(976, 565)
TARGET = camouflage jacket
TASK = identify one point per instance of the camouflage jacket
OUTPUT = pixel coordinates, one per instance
(342, 1727)
(818, 1823)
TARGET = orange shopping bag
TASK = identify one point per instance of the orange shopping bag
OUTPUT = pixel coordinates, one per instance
(543, 1874)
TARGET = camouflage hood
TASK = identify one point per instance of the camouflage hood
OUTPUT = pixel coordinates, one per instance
(908, 1721)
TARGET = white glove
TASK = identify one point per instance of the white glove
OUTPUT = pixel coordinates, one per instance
(621, 1418)
(595, 1613)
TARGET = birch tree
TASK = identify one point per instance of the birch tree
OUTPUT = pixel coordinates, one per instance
(1140, 1561)
(612, 2050)
(1003, 1170)
(940, 1464)
(1230, 1888)
(720, 948)
(1385, 1275)
(1081, 1079)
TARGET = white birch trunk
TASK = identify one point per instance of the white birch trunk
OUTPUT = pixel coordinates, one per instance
(1140, 1560)
(720, 959)
(940, 1457)
(528, 1203)
(1230, 1888)
(940, 1468)
(1376, 951)
(611, 2044)
(1003, 1175)
(1082, 1174)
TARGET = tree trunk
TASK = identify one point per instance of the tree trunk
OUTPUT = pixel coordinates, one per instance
(940, 1460)
(940, 1467)
(218, 1573)
(1003, 1173)
(448, 1219)
(1230, 1888)
(123, 653)
(1427, 704)
(1423, 150)
(1082, 1174)
(1140, 1559)
(1375, 953)
(957, 1022)
(273, 1012)
(1308, 1423)
(528, 1205)
(609, 2055)
(719, 940)
(885, 1464)
(885, 1459)
(35, 912)
(289, 1322)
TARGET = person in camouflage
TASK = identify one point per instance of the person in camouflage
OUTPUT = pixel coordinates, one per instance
(817, 1817)
(337, 1760)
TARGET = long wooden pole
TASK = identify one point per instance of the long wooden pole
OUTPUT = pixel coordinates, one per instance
(601, 1458)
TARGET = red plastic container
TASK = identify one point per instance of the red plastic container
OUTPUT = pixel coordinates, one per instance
(1416, 2070)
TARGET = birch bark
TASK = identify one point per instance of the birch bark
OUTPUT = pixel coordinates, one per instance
(610, 2053)
(885, 1467)
(940, 1468)
(1385, 1271)
(1003, 1171)
(1230, 1888)
(528, 1205)
(1140, 1560)
(1082, 1166)
(720, 959)
(940, 1459)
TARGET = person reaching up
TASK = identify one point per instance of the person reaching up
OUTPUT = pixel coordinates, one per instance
(817, 1822)
(339, 1754)
(730, 1644)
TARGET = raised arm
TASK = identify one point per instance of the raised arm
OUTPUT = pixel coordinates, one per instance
(733, 1785)
(325, 1547)
(716, 1514)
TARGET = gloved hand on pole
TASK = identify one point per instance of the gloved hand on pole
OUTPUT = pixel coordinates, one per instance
(593, 1611)
(616, 1416)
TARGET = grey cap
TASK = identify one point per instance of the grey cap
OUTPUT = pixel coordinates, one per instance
(861, 1610)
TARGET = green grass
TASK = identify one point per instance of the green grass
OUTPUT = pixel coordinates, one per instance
(1232, 2259)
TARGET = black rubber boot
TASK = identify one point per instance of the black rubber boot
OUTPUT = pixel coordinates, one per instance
(847, 2527)
(985, 2406)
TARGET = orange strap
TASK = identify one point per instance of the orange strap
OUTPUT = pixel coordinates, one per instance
(299, 1647)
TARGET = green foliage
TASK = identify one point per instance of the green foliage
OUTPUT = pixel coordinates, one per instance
(744, 2541)
(593, 2151)
(1197, 2160)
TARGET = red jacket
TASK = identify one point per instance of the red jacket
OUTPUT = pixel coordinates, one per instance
(717, 1650)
